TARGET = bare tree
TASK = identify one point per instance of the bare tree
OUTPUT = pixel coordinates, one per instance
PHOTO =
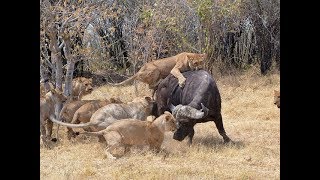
(62, 25)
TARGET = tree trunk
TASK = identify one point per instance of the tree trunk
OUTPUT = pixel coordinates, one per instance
(70, 66)
(56, 58)
(44, 78)
(266, 51)
(68, 78)
(59, 74)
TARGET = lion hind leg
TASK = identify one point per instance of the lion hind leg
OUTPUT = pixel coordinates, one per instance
(115, 147)
(71, 133)
(49, 131)
(44, 134)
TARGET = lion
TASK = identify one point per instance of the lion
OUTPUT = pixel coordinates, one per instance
(81, 86)
(276, 100)
(152, 72)
(84, 113)
(139, 108)
(68, 110)
(127, 132)
(47, 109)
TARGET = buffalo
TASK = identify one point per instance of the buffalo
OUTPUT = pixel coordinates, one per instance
(200, 92)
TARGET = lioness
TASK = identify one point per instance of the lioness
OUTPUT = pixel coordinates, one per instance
(68, 110)
(80, 86)
(47, 104)
(84, 113)
(276, 100)
(127, 132)
(103, 117)
(152, 72)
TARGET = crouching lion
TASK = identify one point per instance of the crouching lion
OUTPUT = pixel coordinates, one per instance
(68, 110)
(127, 132)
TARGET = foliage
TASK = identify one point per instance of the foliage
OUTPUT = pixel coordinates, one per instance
(122, 35)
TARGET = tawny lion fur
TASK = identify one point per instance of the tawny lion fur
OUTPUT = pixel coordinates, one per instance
(139, 108)
(47, 109)
(81, 86)
(84, 113)
(127, 132)
(152, 72)
(276, 100)
(68, 110)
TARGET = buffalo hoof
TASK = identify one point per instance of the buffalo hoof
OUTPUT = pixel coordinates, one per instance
(228, 142)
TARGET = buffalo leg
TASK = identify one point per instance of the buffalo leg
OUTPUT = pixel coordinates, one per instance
(190, 136)
(219, 124)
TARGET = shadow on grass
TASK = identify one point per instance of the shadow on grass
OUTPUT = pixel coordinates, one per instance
(217, 143)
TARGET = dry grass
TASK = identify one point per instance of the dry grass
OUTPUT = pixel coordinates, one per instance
(250, 118)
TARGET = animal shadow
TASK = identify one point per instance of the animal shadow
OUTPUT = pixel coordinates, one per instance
(211, 141)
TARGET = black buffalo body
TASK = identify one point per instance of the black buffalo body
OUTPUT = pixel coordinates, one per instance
(199, 88)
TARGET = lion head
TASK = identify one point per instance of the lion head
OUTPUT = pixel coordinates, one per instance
(196, 61)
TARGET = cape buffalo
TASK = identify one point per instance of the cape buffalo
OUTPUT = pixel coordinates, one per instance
(200, 92)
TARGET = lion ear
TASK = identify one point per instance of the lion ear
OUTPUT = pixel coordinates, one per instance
(167, 118)
(148, 98)
(112, 100)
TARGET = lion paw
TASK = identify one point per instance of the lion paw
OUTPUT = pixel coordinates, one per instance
(182, 82)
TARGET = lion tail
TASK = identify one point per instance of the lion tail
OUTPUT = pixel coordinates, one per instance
(125, 82)
(84, 125)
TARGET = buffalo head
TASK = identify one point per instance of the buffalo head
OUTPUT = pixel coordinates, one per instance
(184, 127)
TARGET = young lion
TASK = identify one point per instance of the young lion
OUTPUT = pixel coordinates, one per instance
(152, 72)
(46, 110)
(127, 132)
(276, 98)
(68, 110)
(80, 86)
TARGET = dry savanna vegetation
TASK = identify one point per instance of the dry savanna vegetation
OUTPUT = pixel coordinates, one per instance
(250, 118)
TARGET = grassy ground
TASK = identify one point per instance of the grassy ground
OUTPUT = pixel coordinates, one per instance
(250, 119)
